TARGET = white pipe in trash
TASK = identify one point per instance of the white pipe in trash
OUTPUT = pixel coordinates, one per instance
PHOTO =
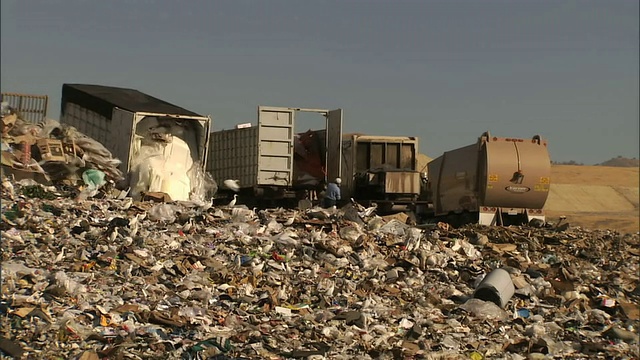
(496, 287)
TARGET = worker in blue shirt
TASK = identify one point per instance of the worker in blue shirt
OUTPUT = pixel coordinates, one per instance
(332, 194)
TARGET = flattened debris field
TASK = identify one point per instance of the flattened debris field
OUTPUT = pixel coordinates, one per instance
(104, 278)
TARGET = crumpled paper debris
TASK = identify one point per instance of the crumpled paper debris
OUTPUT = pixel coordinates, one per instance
(107, 278)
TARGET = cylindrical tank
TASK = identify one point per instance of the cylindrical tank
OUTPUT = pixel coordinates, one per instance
(513, 173)
(494, 172)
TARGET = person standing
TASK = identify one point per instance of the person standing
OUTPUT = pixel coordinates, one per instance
(332, 194)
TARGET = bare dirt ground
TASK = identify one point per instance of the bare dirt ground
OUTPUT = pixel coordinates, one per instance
(595, 197)
(595, 175)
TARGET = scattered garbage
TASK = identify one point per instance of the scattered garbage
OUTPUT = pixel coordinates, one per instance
(108, 277)
(54, 152)
(157, 159)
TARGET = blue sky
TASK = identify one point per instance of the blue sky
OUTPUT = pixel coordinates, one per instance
(444, 71)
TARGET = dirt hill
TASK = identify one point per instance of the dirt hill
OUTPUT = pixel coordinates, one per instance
(596, 197)
(622, 162)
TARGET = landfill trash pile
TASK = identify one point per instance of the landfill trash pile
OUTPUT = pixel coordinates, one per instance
(58, 152)
(106, 278)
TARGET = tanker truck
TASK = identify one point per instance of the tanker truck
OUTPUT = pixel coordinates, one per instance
(496, 181)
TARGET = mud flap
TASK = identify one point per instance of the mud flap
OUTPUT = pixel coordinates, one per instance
(487, 217)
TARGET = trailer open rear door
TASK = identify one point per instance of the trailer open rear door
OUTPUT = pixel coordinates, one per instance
(275, 152)
(334, 144)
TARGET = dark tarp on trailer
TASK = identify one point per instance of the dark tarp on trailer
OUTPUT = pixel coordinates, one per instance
(101, 99)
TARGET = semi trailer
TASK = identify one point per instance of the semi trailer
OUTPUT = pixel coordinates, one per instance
(162, 147)
(272, 164)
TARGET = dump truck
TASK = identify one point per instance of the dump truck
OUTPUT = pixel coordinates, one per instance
(270, 161)
(163, 147)
(382, 170)
(496, 181)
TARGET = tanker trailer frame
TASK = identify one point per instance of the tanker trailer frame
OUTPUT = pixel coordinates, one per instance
(496, 181)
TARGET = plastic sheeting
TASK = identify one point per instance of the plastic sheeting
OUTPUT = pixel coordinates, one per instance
(164, 160)
(159, 167)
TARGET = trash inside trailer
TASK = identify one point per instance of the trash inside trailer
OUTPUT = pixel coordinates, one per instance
(162, 146)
